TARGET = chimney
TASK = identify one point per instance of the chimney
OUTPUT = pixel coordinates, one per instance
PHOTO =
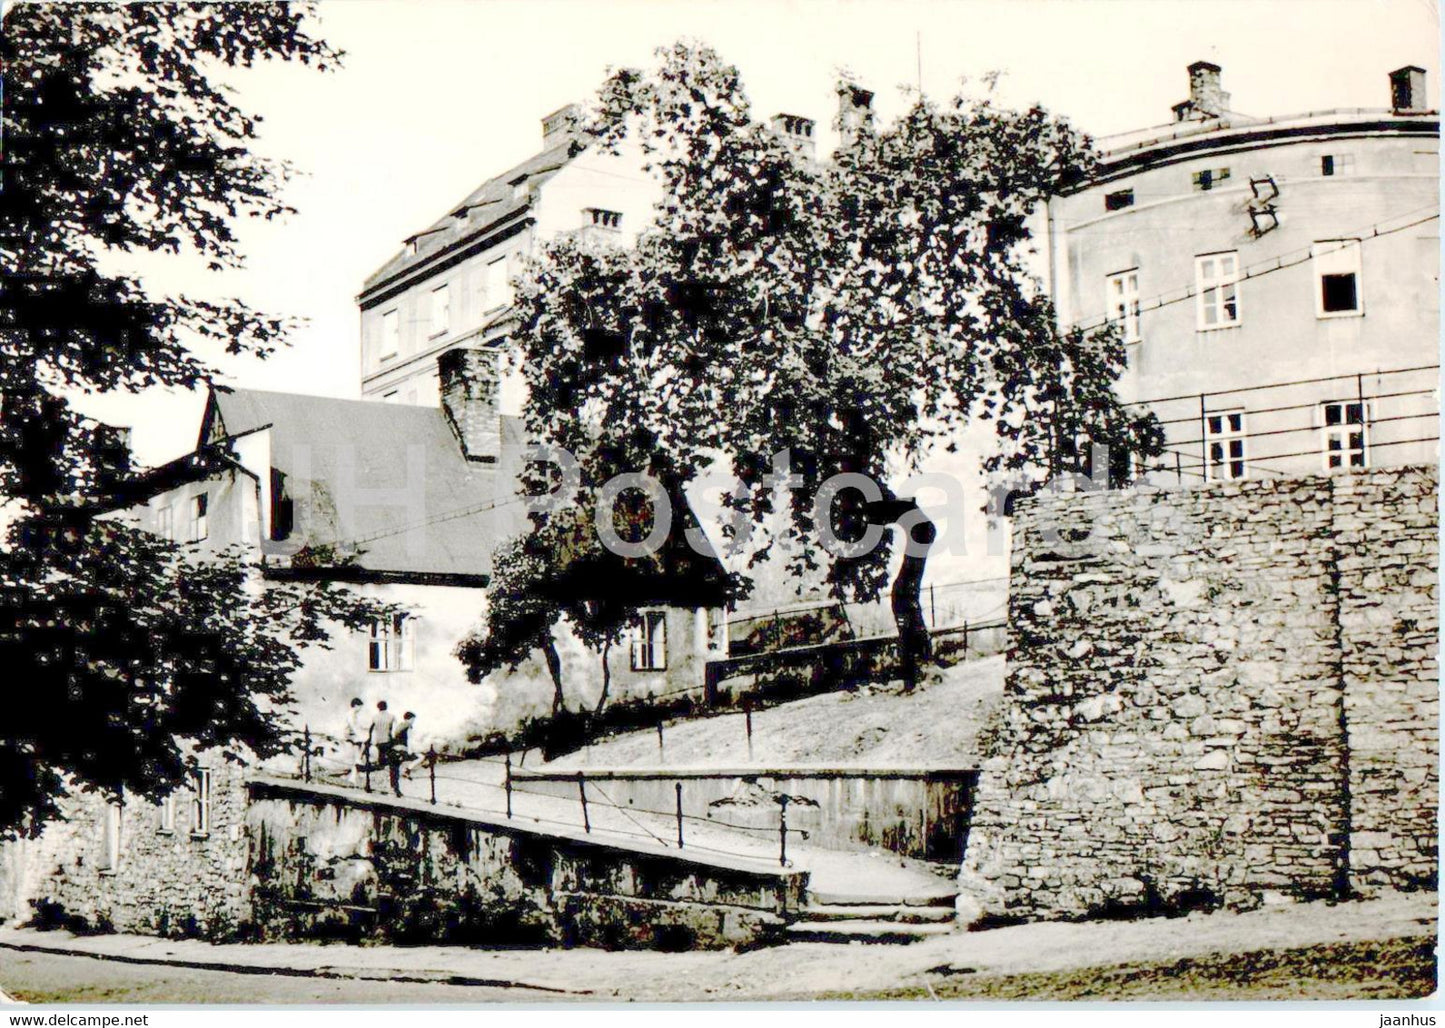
(1206, 99)
(563, 123)
(855, 114)
(1407, 90)
(797, 133)
(469, 398)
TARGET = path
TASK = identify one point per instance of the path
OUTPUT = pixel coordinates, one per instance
(796, 971)
(477, 786)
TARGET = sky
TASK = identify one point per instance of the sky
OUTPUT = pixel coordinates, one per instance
(435, 96)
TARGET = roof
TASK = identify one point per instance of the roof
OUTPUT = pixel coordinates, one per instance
(1129, 152)
(378, 487)
(488, 206)
(382, 491)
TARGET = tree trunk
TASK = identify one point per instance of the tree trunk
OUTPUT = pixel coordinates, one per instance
(915, 643)
(606, 676)
(554, 667)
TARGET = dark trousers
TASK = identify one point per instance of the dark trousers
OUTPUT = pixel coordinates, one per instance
(390, 756)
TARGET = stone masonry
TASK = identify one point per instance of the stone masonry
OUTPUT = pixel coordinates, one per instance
(171, 879)
(1215, 695)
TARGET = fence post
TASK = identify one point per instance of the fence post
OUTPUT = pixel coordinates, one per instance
(508, 783)
(1203, 441)
(306, 755)
(660, 754)
(783, 830)
(366, 756)
(582, 792)
(748, 721)
(932, 608)
(679, 815)
(965, 640)
(431, 755)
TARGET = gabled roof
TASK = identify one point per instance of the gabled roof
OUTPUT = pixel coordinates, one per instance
(489, 205)
(378, 487)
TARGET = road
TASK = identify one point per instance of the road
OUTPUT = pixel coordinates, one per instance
(51, 978)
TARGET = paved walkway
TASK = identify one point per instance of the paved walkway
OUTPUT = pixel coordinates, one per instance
(478, 786)
(792, 971)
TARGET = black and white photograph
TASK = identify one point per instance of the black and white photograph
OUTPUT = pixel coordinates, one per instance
(562, 504)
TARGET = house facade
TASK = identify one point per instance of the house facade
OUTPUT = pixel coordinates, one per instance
(1276, 280)
(405, 504)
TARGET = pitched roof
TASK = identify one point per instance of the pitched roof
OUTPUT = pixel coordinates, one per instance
(489, 205)
(378, 486)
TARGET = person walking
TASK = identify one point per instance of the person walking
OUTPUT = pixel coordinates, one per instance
(357, 726)
(400, 743)
(383, 727)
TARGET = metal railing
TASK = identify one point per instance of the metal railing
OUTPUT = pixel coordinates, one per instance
(319, 762)
(1333, 423)
(945, 605)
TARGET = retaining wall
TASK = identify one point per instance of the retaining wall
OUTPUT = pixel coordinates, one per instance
(921, 814)
(329, 863)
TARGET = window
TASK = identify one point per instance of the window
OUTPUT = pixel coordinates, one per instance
(1123, 300)
(1224, 438)
(201, 802)
(390, 335)
(496, 290)
(168, 815)
(519, 188)
(1337, 164)
(605, 219)
(441, 310)
(1346, 434)
(649, 641)
(110, 839)
(1209, 178)
(166, 522)
(796, 126)
(1216, 280)
(199, 506)
(1117, 201)
(392, 645)
(1337, 278)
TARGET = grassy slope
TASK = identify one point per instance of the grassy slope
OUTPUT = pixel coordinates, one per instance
(935, 726)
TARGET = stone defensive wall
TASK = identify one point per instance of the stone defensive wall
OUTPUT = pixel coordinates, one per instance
(1217, 696)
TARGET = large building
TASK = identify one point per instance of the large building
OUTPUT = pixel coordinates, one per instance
(1276, 280)
(449, 286)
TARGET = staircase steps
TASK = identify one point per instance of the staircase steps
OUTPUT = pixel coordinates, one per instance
(872, 919)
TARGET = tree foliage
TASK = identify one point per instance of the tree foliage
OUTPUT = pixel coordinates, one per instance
(559, 577)
(853, 312)
(121, 136)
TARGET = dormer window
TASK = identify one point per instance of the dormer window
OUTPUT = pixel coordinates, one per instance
(411, 246)
(604, 218)
(519, 188)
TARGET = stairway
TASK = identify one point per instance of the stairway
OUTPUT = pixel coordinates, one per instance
(872, 919)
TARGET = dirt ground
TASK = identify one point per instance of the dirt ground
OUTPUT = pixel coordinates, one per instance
(1390, 969)
(1381, 948)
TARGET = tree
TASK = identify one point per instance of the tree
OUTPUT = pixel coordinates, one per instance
(560, 577)
(121, 137)
(848, 314)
